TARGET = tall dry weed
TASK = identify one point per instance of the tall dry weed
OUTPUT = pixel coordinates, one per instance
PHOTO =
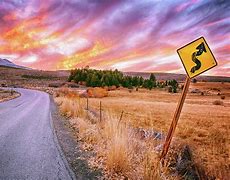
(151, 167)
(71, 107)
(119, 145)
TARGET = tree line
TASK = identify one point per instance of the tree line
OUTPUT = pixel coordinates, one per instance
(102, 78)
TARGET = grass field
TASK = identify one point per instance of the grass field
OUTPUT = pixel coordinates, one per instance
(30, 78)
(203, 125)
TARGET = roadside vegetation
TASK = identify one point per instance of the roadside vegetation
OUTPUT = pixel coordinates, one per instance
(6, 95)
(119, 137)
(121, 149)
(40, 77)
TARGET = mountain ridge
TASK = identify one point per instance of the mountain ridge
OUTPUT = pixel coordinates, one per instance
(8, 63)
(178, 77)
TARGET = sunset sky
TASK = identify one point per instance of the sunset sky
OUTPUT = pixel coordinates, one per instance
(129, 35)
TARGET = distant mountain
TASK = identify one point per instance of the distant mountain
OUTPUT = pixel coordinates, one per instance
(7, 63)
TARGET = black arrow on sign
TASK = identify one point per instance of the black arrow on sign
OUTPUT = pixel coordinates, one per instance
(201, 48)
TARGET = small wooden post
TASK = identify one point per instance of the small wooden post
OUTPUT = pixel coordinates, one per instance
(87, 104)
(121, 115)
(100, 112)
(175, 119)
(122, 112)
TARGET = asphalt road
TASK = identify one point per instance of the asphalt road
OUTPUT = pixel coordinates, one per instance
(28, 144)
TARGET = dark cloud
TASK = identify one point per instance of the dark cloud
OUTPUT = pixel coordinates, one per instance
(212, 10)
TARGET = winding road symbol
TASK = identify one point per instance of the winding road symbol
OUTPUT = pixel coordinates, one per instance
(196, 57)
(201, 49)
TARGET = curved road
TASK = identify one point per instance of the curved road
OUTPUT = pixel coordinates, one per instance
(28, 145)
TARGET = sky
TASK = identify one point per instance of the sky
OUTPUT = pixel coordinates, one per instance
(128, 35)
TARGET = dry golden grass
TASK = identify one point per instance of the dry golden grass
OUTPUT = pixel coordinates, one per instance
(123, 153)
(119, 149)
(70, 103)
(97, 92)
(202, 125)
(151, 170)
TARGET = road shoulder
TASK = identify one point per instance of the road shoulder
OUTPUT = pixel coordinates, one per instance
(74, 155)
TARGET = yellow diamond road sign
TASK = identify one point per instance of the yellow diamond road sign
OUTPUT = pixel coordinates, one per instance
(197, 57)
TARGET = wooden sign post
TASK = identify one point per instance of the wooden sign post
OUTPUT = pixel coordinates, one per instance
(196, 58)
(175, 118)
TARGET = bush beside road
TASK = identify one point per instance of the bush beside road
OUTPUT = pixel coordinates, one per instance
(6, 94)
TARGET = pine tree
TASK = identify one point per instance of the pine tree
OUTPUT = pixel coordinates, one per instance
(95, 82)
(152, 77)
(150, 84)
